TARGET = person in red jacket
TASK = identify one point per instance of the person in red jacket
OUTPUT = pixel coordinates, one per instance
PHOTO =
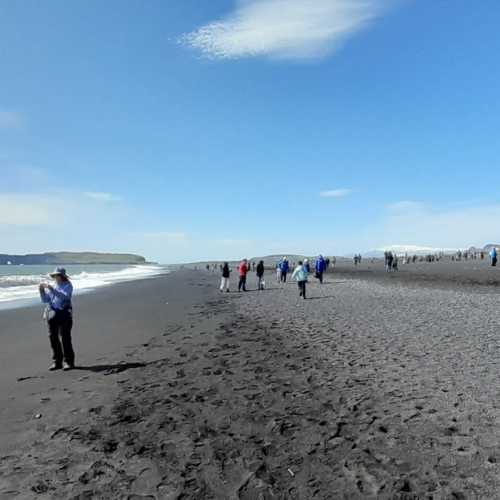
(243, 270)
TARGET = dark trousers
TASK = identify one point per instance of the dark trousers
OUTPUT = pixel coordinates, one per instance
(320, 277)
(494, 261)
(302, 288)
(60, 338)
(242, 284)
(283, 276)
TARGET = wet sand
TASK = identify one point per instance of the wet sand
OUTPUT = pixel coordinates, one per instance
(372, 388)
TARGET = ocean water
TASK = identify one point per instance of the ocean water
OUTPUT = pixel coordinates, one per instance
(20, 283)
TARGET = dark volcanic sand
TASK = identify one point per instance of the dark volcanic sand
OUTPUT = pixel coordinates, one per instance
(370, 389)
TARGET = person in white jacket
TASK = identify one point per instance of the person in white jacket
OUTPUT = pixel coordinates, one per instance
(300, 274)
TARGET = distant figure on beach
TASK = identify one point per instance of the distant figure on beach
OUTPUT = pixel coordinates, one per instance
(284, 267)
(389, 258)
(226, 274)
(307, 266)
(243, 270)
(278, 271)
(59, 316)
(260, 275)
(300, 274)
(320, 268)
(395, 263)
(327, 262)
(493, 256)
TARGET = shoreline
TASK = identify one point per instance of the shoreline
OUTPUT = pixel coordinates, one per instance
(106, 278)
(366, 390)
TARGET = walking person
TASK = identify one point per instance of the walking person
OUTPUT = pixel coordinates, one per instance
(395, 263)
(284, 267)
(300, 274)
(493, 255)
(388, 261)
(260, 275)
(224, 282)
(307, 266)
(243, 270)
(320, 268)
(59, 316)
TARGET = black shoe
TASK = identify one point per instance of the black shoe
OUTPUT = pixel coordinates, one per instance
(55, 366)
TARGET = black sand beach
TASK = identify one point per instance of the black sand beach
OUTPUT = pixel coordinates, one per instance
(373, 388)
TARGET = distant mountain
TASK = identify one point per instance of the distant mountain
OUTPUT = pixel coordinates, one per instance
(409, 249)
(64, 258)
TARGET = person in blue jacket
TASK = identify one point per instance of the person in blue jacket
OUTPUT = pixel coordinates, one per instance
(284, 267)
(307, 266)
(320, 268)
(59, 317)
(493, 255)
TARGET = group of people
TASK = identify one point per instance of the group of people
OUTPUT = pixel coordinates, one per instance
(391, 261)
(300, 273)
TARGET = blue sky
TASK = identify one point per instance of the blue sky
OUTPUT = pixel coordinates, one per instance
(188, 129)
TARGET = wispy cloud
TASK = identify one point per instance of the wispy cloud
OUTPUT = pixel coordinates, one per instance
(335, 193)
(104, 197)
(285, 29)
(405, 206)
(419, 224)
(25, 210)
(11, 120)
(167, 236)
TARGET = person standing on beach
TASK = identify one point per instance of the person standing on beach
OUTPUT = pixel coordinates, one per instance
(243, 270)
(388, 261)
(284, 267)
(59, 316)
(260, 275)
(278, 272)
(320, 268)
(307, 266)
(300, 274)
(224, 282)
(493, 255)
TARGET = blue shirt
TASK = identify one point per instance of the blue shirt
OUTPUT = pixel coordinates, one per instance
(60, 297)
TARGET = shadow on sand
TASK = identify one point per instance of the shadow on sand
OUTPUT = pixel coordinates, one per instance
(116, 368)
(325, 297)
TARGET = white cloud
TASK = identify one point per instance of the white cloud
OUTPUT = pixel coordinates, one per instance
(104, 197)
(25, 210)
(285, 29)
(167, 237)
(406, 206)
(11, 120)
(335, 193)
(434, 227)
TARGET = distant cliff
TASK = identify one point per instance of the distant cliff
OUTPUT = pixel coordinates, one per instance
(58, 258)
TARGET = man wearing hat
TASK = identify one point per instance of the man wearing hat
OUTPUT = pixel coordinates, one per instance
(59, 316)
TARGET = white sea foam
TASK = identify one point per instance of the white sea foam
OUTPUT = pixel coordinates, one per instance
(23, 287)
